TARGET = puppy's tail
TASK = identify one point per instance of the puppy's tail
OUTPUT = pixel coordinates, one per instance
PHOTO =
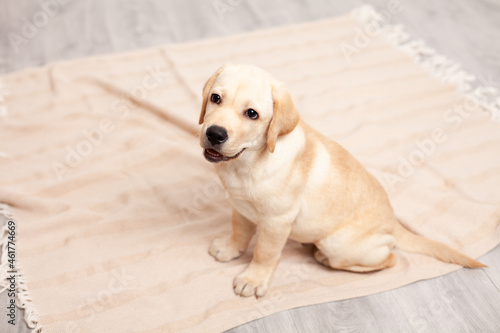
(413, 243)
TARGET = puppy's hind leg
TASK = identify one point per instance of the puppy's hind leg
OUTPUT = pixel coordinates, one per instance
(321, 258)
(387, 263)
(345, 250)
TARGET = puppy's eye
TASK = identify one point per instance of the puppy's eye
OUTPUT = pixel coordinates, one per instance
(252, 114)
(215, 98)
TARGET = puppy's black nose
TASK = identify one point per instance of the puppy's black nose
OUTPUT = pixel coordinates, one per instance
(216, 134)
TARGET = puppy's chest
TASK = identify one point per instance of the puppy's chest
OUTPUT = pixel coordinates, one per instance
(252, 198)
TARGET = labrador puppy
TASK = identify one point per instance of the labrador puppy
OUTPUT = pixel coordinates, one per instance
(289, 181)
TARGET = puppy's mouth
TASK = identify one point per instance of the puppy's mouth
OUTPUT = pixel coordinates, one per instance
(215, 157)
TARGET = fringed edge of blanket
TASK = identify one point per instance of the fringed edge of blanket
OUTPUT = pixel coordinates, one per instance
(448, 71)
(8, 258)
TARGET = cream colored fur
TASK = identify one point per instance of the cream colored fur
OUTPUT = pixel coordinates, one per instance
(289, 181)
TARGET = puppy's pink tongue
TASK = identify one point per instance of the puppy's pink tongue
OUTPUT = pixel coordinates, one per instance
(213, 153)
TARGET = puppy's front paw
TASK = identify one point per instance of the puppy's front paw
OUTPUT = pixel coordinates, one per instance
(224, 249)
(252, 282)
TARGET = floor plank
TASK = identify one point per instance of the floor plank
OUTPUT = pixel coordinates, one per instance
(463, 301)
(376, 312)
(492, 260)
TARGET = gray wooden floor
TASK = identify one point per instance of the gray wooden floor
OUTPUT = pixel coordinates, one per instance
(463, 30)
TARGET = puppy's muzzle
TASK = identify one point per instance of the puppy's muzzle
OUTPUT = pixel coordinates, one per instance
(216, 135)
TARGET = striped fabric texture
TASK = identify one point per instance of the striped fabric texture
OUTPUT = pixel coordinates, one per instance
(115, 206)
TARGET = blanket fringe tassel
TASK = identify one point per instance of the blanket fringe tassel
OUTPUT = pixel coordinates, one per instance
(24, 300)
(446, 70)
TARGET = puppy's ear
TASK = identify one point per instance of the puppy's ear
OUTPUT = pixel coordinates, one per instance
(206, 90)
(285, 115)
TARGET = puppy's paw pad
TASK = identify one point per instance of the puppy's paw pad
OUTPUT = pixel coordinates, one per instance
(223, 249)
(247, 286)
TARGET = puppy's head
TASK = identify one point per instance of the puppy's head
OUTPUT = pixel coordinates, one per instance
(243, 108)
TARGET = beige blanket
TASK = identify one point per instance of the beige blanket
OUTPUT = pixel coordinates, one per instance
(115, 207)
